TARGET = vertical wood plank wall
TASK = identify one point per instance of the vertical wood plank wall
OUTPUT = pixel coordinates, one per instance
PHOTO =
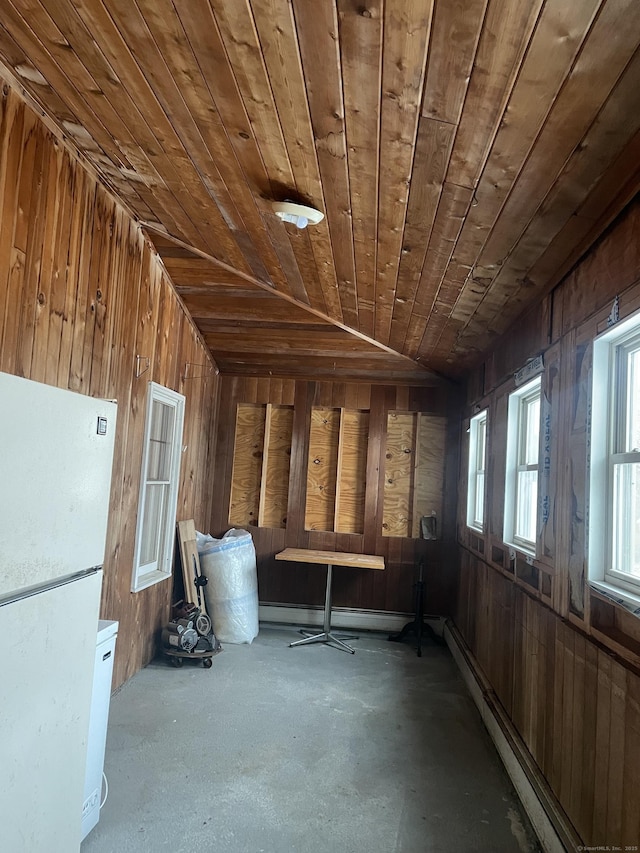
(81, 295)
(564, 663)
(286, 583)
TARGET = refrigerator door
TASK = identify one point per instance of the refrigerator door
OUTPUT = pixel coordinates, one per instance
(46, 675)
(56, 454)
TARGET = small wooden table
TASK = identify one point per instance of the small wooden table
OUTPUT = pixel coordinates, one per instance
(330, 559)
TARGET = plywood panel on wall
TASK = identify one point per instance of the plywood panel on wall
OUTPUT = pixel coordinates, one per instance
(359, 490)
(247, 465)
(275, 473)
(81, 297)
(322, 469)
(352, 471)
(399, 471)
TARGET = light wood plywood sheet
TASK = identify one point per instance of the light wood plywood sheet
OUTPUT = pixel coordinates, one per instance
(247, 465)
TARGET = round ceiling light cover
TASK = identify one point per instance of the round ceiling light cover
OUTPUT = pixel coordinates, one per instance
(299, 214)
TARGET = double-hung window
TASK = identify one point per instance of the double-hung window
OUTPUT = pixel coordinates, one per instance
(523, 454)
(162, 447)
(477, 465)
(614, 489)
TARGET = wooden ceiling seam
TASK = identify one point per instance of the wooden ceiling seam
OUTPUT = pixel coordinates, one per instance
(263, 285)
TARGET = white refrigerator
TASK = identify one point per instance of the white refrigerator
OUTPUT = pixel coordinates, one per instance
(56, 455)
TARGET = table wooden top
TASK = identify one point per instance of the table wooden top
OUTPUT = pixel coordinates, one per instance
(334, 558)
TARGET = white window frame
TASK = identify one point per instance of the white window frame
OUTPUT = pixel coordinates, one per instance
(607, 436)
(145, 575)
(519, 400)
(476, 482)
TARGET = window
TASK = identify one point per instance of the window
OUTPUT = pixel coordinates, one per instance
(614, 489)
(523, 452)
(477, 465)
(158, 487)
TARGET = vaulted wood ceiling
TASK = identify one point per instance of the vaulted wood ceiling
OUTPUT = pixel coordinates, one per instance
(465, 153)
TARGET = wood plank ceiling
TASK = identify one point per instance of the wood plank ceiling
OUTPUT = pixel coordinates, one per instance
(465, 154)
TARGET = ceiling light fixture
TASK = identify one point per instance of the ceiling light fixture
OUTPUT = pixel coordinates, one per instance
(298, 214)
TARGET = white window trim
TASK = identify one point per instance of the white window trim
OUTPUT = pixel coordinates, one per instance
(142, 580)
(474, 429)
(602, 455)
(514, 439)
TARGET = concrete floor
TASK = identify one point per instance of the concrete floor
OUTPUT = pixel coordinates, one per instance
(305, 750)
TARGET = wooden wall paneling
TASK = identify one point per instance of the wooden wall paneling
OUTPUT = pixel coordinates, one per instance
(543, 697)
(338, 394)
(631, 777)
(588, 782)
(39, 281)
(102, 295)
(554, 775)
(35, 197)
(617, 751)
(18, 159)
(231, 390)
(519, 686)
(299, 457)
(602, 753)
(72, 261)
(12, 116)
(577, 733)
(569, 702)
(496, 469)
(364, 397)
(56, 300)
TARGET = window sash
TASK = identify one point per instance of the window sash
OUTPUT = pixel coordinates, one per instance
(476, 474)
(523, 460)
(158, 486)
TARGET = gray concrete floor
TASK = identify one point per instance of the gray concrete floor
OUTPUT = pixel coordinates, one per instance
(305, 750)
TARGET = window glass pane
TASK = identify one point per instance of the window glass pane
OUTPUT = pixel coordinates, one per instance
(160, 440)
(152, 523)
(632, 441)
(626, 518)
(532, 427)
(482, 441)
(479, 496)
(526, 504)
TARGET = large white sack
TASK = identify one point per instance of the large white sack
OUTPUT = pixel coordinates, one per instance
(231, 593)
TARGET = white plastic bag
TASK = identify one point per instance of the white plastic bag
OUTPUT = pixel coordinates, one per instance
(231, 592)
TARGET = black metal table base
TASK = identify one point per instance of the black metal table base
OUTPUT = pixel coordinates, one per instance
(417, 628)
